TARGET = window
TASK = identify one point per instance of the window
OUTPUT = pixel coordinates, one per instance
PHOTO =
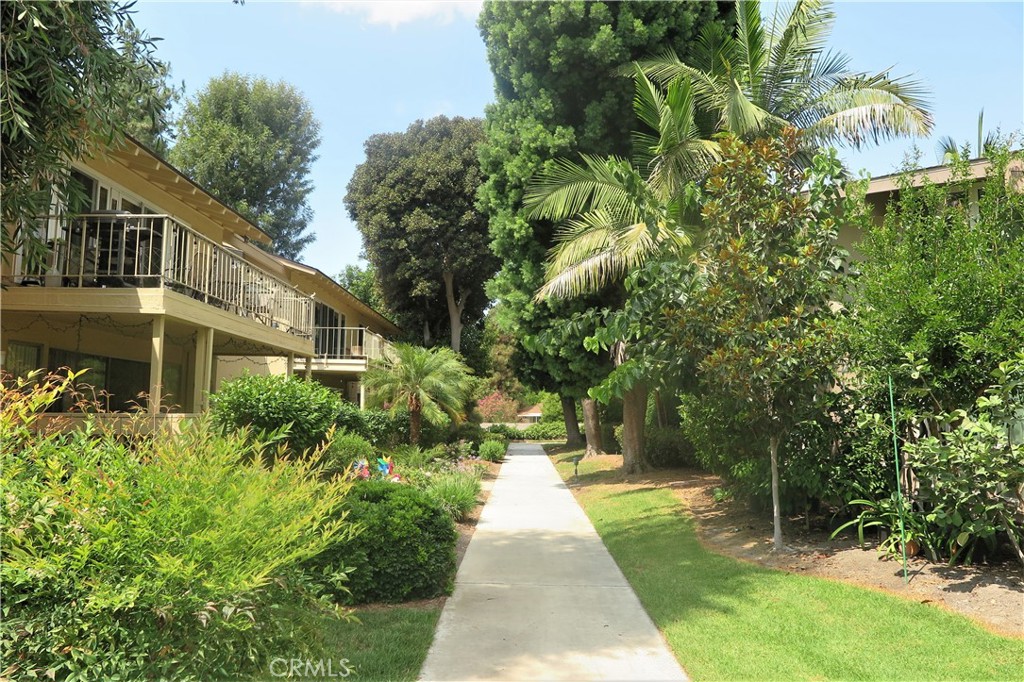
(21, 358)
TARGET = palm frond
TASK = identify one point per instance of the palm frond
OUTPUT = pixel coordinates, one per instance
(750, 38)
(566, 188)
(872, 108)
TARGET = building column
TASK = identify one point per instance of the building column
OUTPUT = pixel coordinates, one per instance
(156, 364)
(362, 396)
(291, 364)
(202, 370)
(309, 368)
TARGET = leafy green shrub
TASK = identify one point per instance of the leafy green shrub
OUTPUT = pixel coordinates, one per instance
(471, 432)
(406, 549)
(455, 490)
(174, 556)
(269, 403)
(385, 430)
(350, 418)
(668, 447)
(412, 456)
(509, 432)
(492, 450)
(344, 449)
(545, 431)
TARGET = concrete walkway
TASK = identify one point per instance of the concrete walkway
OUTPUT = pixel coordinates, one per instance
(538, 597)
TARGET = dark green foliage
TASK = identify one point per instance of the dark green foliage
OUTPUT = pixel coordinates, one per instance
(252, 142)
(610, 434)
(405, 551)
(70, 86)
(493, 450)
(455, 490)
(509, 432)
(344, 449)
(269, 403)
(668, 447)
(547, 59)
(414, 201)
(544, 431)
(350, 418)
(471, 432)
(386, 430)
(943, 286)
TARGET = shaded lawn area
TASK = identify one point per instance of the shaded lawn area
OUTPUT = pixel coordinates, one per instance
(388, 644)
(729, 620)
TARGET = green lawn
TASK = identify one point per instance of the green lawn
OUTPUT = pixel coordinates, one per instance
(729, 620)
(388, 644)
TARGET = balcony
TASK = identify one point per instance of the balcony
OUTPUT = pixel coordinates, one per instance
(119, 250)
(346, 349)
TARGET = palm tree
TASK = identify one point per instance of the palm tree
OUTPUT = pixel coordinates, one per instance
(750, 84)
(426, 381)
(948, 150)
(763, 79)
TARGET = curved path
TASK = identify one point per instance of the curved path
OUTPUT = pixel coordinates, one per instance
(538, 597)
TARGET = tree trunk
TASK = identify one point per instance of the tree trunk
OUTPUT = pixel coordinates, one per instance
(592, 428)
(634, 411)
(426, 333)
(773, 445)
(415, 418)
(573, 439)
(455, 309)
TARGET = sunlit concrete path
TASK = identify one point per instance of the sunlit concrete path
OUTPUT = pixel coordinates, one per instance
(538, 597)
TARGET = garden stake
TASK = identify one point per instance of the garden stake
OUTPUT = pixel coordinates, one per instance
(899, 492)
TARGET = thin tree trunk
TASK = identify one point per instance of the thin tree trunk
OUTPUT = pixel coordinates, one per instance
(415, 417)
(455, 309)
(426, 333)
(634, 411)
(592, 428)
(773, 445)
(573, 439)
(659, 410)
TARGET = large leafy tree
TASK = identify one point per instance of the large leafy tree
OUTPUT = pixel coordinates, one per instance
(150, 96)
(557, 92)
(751, 311)
(428, 382)
(252, 142)
(414, 199)
(68, 88)
(361, 281)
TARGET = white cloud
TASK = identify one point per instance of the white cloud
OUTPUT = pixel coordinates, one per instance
(397, 12)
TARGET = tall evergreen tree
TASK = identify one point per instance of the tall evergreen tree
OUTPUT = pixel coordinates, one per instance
(252, 142)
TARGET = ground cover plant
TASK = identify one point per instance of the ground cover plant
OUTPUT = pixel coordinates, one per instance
(725, 619)
(174, 555)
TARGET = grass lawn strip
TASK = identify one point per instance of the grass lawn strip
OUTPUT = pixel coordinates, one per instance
(389, 643)
(728, 620)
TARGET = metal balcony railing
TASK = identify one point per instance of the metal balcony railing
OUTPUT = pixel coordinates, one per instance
(344, 343)
(116, 250)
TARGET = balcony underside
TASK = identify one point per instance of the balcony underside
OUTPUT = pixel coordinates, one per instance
(236, 334)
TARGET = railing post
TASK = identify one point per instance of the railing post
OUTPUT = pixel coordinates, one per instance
(164, 244)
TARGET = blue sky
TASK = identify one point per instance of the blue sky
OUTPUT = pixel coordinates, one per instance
(371, 67)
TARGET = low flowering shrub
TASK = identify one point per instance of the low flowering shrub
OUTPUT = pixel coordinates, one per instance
(497, 408)
(169, 556)
(406, 549)
(268, 404)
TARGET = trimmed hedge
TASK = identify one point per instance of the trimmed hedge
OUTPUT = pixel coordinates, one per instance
(545, 431)
(405, 551)
(267, 403)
